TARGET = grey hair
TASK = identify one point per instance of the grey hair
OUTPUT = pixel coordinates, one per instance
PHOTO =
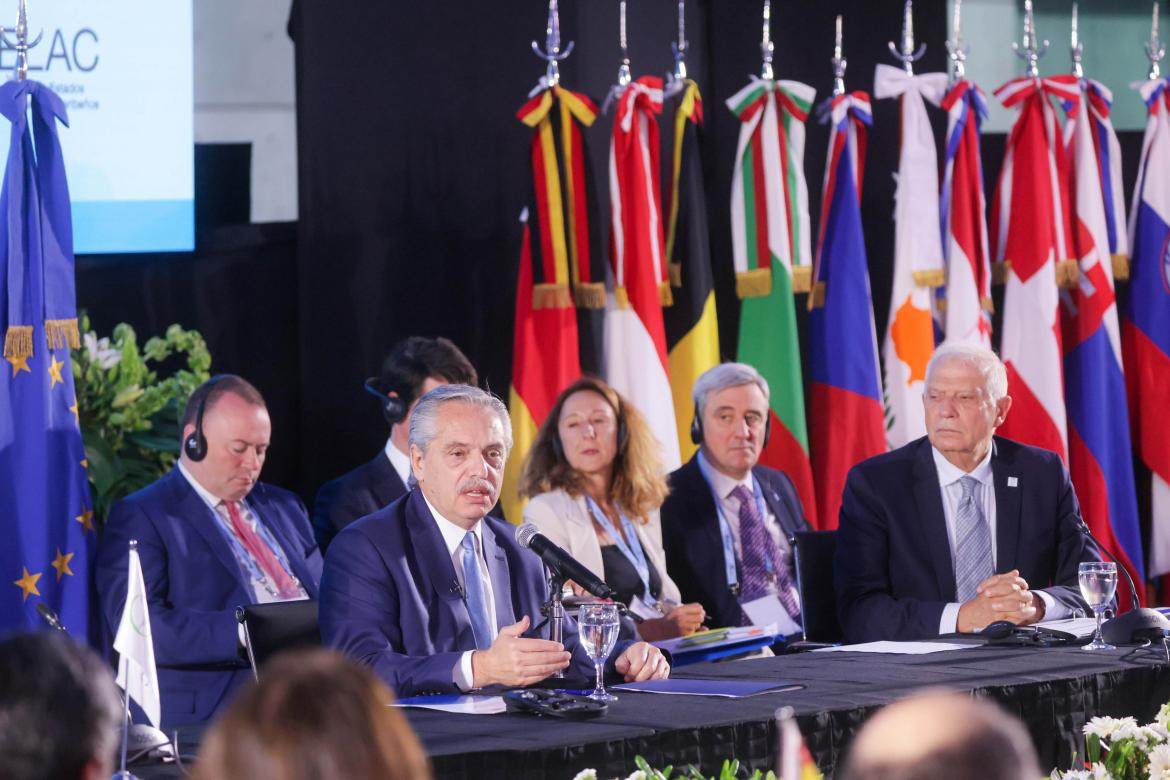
(723, 376)
(986, 362)
(424, 419)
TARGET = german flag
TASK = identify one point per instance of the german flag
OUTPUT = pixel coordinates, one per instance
(561, 269)
(692, 329)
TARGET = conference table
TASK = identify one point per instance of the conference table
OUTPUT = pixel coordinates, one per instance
(1054, 691)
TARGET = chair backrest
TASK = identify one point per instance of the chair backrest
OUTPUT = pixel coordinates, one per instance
(813, 553)
(271, 628)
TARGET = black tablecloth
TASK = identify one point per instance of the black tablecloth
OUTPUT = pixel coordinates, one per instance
(1054, 691)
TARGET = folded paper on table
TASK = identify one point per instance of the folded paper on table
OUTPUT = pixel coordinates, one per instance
(897, 648)
(465, 705)
(732, 689)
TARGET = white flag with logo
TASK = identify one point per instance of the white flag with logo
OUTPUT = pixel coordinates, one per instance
(137, 674)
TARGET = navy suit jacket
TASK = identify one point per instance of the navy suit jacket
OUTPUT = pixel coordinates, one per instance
(389, 597)
(893, 568)
(694, 544)
(354, 494)
(193, 585)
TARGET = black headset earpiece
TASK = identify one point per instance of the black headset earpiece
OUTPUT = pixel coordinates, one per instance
(697, 427)
(195, 445)
(393, 407)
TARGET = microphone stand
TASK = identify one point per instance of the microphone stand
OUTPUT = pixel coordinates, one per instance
(554, 610)
(1135, 619)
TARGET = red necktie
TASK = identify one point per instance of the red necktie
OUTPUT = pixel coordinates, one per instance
(286, 586)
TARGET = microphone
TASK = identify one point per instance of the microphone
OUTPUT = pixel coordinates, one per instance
(1138, 623)
(561, 562)
(49, 616)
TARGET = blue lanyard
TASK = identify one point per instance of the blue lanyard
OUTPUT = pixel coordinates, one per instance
(729, 565)
(631, 547)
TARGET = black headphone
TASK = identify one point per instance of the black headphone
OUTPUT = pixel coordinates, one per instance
(697, 427)
(623, 435)
(393, 407)
(195, 445)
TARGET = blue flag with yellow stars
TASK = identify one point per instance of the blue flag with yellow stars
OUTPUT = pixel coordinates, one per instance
(46, 522)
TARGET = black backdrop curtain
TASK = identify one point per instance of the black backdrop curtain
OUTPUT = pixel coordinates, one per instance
(412, 174)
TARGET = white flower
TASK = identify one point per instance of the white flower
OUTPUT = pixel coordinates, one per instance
(1099, 772)
(1159, 731)
(637, 774)
(1072, 774)
(586, 774)
(1163, 717)
(1160, 763)
(1105, 727)
(100, 352)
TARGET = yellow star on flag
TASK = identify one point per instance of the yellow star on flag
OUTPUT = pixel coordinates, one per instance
(84, 463)
(28, 583)
(76, 417)
(19, 364)
(61, 564)
(86, 519)
(55, 372)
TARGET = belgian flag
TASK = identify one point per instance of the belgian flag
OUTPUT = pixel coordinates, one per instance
(692, 329)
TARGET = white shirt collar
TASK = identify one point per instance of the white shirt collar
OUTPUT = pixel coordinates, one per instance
(208, 497)
(949, 473)
(721, 483)
(453, 534)
(399, 460)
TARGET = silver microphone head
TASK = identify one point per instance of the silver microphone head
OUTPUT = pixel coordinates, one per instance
(525, 533)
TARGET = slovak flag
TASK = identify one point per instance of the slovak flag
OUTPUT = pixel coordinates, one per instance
(967, 315)
(1146, 328)
(847, 424)
(1100, 457)
(1030, 234)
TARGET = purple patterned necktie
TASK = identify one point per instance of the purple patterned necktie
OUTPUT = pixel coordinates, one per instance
(758, 547)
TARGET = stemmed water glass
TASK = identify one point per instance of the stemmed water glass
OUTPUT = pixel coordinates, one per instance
(598, 626)
(1098, 581)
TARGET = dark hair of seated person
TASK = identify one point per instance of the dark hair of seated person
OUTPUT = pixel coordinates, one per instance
(314, 715)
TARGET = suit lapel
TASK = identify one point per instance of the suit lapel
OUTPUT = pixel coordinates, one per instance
(497, 564)
(1007, 511)
(436, 566)
(779, 509)
(388, 485)
(932, 522)
(267, 512)
(196, 514)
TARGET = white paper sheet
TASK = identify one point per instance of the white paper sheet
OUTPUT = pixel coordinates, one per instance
(897, 648)
(465, 705)
(1082, 627)
(768, 610)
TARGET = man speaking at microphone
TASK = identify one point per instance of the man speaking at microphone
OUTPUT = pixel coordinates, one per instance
(435, 595)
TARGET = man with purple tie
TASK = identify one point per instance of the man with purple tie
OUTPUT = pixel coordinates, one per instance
(438, 597)
(727, 520)
(211, 537)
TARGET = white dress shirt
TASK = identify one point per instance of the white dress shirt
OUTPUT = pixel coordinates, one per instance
(453, 535)
(722, 485)
(399, 460)
(949, 482)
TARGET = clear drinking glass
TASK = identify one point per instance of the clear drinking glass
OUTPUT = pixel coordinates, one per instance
(1098, 581)
(598, 626)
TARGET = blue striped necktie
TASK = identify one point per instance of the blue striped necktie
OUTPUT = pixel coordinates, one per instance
(475, 594)
(972, 543)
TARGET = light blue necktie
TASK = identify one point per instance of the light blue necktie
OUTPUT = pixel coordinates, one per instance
(475, 595)
(972, 543)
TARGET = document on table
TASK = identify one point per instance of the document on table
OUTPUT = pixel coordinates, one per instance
(465, 705)
(1081, 627)
(731, 689)
(897, 648)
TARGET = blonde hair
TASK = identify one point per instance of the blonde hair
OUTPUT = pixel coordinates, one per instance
(314, 715)
(639, 482)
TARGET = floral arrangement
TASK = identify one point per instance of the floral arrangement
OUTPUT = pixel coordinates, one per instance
(1120, 749)
(730, 771)
(129, 416)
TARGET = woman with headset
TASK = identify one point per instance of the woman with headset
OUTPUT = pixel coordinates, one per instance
(596, 481)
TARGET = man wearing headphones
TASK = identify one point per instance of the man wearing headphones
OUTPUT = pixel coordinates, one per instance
(211, 537)
(727, 520)
(415, 366)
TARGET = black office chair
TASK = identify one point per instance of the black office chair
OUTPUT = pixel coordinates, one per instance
(271, 628)
(813, 554)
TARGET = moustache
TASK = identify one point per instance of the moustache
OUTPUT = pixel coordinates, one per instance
(477, 483)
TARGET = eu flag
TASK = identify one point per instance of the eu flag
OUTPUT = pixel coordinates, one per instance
(46, 517)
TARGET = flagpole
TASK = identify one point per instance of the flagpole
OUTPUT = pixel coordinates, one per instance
(1155, 48)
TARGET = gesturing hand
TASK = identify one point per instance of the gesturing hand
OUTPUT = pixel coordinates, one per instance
(516, 661)
(642, 661)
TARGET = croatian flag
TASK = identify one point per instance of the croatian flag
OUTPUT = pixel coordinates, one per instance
(967, 315)
(1100, 457)
(918, 252)
(1146, 329)
(1030, 234)
(847, 423)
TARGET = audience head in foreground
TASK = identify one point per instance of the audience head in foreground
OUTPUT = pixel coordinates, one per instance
(594, 474)
(314, 715)
(941, 734)
(59, 710)
(728, 519)
(436, 595)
